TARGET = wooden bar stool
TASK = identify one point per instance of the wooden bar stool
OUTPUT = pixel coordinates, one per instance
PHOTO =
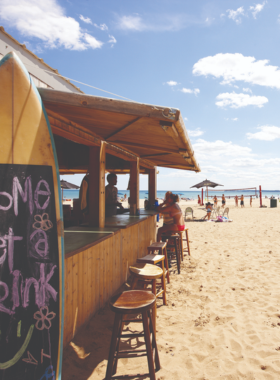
(174, 242)
(154, 260)
(147, 272)
(133, 302)
(187, 240)
(161, 248)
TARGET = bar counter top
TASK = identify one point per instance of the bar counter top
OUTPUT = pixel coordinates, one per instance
(80, 238)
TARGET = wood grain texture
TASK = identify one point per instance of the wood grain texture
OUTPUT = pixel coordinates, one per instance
(92, 276)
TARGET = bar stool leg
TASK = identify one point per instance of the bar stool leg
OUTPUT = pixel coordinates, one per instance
(182, 245)
(111, 365)
(177, 256)
(163, 285)
(154, 343)
(188, 244)
(148, 346)
(154, 290)
(166, 265)
(118, 345)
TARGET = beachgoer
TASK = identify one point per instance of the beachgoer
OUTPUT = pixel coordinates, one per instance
(167, 219)
(215, 201)
(199, 200)
(223, 201)
(242, 200)
(236, 200)
(171, 206)
(209, 208)
(251, 201)
(112, 206)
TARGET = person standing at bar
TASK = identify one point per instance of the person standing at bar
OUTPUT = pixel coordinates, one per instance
(112, 206)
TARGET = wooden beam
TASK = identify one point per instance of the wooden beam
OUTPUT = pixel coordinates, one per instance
(95, 186)
(122, 128)
(134, 183)
(106, 104)
(149, 147)
(152, 185)
(102, 164)
(155, 155)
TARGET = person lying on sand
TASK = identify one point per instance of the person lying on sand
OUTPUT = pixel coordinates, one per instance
(209, 208)
(171, 206)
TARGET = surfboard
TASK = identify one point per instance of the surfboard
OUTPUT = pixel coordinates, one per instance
(31, 232)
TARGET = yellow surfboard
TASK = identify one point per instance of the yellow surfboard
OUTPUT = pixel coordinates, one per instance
(31, 232)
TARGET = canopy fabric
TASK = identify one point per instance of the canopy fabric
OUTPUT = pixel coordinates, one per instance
(206, 183)
(68, 185)
(154, 134)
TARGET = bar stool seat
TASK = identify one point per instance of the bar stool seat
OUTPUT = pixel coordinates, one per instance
(161, 248)
(154, 260)
(131, 302)
(143, 271)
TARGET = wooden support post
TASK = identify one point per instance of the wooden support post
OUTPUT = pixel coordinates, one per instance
(97, 186)
(260, 194)
(134, 183)
(152, 186)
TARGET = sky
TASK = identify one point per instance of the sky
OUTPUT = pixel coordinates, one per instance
(217, 61)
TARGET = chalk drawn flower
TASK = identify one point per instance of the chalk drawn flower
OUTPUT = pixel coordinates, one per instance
(43, 317)
(42, 222)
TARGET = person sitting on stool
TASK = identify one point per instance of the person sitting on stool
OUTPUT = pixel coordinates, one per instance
(112, 206)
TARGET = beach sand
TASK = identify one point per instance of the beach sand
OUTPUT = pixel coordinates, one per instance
(223, 315)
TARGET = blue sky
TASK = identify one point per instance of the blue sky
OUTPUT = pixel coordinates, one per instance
(217, 61)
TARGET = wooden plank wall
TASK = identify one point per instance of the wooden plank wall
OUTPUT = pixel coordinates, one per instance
(94, 275)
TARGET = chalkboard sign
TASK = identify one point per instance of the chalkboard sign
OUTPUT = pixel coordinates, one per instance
(29, 274)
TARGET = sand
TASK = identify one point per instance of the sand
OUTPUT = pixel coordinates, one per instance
(223, 315)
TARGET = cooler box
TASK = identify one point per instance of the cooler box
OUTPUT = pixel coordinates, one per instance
(273, 202)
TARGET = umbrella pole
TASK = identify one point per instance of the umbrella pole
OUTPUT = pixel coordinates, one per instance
(202, 204)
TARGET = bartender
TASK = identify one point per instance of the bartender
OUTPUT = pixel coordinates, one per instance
(112, 206)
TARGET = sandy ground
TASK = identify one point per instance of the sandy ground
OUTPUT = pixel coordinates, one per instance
(223, 315)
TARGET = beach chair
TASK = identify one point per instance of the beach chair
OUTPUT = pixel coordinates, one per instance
(216, 211)
(188, 211)
(226, 211)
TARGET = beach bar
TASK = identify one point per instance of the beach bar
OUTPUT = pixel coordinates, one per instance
(98, 135)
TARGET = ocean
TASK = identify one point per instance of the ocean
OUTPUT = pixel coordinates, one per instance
(72, 194)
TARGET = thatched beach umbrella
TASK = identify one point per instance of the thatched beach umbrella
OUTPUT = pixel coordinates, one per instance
(67, 185)
(206, 184)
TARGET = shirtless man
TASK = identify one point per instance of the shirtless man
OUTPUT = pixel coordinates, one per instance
(242, 201)
(112, 206)
(215, 201)
(223, 201)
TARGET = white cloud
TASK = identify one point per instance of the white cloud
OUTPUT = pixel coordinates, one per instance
(47, 21)
(257, 8)
(195, 132)
(112, 40)
(195, 91)
(236, 67)
(172, 83)
(236, 15)
(234, 100)
(157, 22)
(235, 119)
(206, 149)
(266, 133)
(87, 20)
(247, 90)
(185, 118)
(101, 26)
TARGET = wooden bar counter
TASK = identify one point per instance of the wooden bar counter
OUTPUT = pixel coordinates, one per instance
(97, 262)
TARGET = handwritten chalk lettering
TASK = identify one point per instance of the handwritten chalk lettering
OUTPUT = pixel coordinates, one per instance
(2, 299)
(42, 222)
(42, 192)
(30, 359)
(11, 239)
(26, 194)
(15, 289)
(42, 355)
(28, 283)
(49, 374)
(3, 245)
(43, 241)
(6, 208)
